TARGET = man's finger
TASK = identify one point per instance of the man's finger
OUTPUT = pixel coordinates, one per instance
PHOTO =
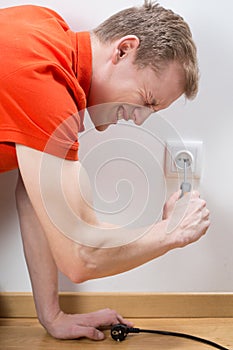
(87, 332)
(124, 321)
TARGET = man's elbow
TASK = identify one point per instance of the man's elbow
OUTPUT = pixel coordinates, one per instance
(77, 277)
(84, 269)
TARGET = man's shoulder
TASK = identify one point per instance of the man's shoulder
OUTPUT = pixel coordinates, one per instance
(31, 15)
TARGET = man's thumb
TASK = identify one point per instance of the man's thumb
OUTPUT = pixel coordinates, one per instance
(88, 332)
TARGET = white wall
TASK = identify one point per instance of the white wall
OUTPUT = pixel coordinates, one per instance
(203, 266)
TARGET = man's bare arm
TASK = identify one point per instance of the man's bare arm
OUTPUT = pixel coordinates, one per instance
(44, 279)
(51, 182)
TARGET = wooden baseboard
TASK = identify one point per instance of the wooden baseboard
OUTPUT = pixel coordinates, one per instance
(131, 305)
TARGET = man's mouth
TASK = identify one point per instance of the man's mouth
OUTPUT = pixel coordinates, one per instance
(126, 114)
(120, 113)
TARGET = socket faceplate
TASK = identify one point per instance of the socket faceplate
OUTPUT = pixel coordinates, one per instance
(173, 148)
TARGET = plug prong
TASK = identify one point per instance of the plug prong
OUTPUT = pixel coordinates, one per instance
(185, 170)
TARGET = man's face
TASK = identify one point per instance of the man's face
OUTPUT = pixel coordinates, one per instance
(133, 94)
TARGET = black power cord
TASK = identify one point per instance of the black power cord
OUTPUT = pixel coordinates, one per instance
(120, 331)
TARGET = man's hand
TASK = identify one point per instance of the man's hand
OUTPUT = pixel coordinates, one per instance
(187, 217)
(65, 326)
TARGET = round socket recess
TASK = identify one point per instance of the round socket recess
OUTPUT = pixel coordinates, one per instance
(183, 159)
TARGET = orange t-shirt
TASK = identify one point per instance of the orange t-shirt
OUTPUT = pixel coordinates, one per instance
(45, 76)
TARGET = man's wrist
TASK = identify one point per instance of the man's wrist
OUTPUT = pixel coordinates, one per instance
(47, 313)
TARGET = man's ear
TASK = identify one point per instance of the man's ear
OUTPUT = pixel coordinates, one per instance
(123, 47)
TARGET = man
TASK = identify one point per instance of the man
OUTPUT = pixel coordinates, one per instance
(137, 62)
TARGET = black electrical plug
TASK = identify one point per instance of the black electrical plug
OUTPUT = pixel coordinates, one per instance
(120, 331)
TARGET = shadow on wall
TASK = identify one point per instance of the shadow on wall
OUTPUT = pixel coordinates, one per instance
(65, 285)
(8, 182)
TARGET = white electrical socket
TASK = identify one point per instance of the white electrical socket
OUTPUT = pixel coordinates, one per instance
(193, 148)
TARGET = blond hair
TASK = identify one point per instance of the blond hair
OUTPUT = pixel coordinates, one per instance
(164, 37)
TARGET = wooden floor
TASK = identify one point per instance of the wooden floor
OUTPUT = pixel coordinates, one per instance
(27, 334)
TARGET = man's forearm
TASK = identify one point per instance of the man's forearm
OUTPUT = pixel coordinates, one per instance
(41, 265)
(103, 262)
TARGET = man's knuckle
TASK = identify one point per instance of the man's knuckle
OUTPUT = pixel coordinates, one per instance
(109, 310)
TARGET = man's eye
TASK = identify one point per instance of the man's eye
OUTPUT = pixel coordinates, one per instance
(150, 106)
(147, 104)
